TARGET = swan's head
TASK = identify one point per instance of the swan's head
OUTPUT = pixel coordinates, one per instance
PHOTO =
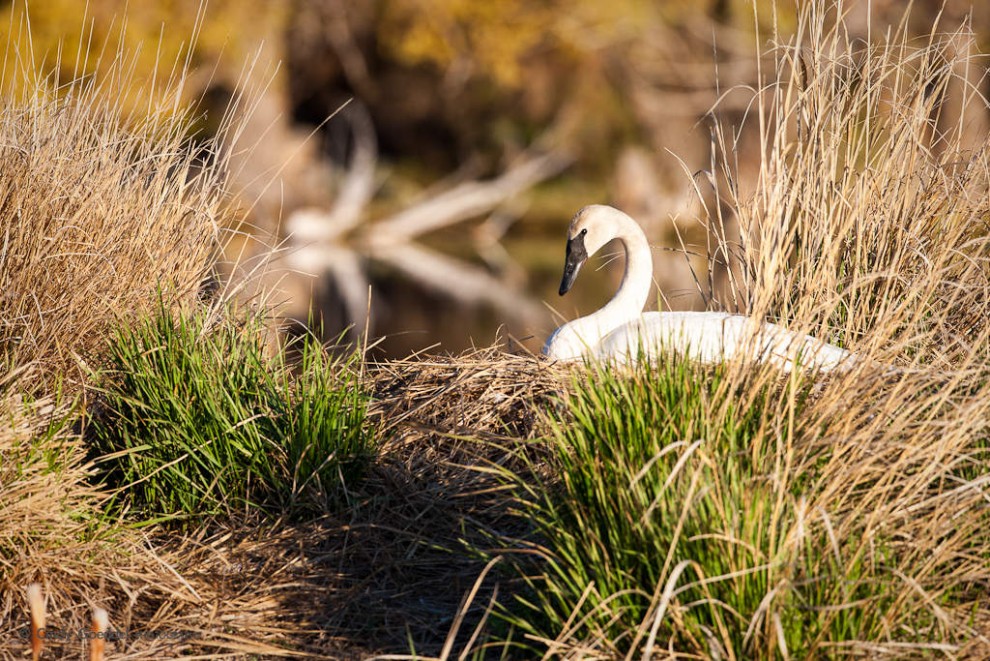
(591, 228)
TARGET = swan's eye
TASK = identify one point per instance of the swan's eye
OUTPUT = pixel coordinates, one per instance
(584, 231)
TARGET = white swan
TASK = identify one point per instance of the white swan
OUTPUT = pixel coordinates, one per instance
(622, 332)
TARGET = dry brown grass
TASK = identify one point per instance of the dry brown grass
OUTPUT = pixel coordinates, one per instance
(98, 215)
(869, 220)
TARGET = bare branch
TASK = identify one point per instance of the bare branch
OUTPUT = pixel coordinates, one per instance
(313, 224)
(461, 281)
(349, 275)
(347, 271)
(466, 200)
(347, 50)
(359, 183)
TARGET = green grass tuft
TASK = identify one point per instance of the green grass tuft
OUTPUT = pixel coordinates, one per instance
(197, 419)
(681, 513)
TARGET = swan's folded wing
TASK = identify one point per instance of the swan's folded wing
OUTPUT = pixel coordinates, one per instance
(706, 337)
(712, 337)
(785, 348)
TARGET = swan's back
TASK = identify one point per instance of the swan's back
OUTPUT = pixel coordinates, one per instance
(707, 337)
(711, 337)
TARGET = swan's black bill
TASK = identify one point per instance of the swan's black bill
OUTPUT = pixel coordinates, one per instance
(576, 257)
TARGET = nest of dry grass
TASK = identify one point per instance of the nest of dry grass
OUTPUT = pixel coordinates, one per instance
(486, 393)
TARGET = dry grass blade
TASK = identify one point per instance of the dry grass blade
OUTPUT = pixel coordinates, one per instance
(448, 645)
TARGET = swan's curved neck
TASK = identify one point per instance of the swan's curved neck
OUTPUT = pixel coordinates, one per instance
(634, 290)
(628, 302)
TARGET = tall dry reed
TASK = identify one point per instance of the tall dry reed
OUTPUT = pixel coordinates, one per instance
(868, 220)
(98, 213)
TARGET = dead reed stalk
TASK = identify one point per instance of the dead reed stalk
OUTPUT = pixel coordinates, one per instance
(36, 603)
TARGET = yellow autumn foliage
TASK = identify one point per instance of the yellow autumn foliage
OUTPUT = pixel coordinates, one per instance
(493, 39)
(74, 39)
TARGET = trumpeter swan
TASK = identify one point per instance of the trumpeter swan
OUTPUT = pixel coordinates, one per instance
(621, 331)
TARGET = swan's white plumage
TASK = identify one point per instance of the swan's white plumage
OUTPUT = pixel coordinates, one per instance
(621, 332)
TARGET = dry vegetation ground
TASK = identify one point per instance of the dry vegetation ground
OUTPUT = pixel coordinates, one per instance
(867, 225)
(391, 569)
